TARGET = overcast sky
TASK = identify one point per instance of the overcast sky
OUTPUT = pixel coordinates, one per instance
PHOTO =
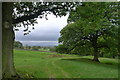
(45, 32)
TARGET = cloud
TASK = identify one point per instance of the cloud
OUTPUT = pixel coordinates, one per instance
(45, 30)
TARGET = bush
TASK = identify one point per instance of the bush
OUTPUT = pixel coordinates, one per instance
(52, 49)
(18, 44)
(35, 48)
(61, 49)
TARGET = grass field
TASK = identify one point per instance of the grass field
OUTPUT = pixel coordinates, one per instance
(34, 64)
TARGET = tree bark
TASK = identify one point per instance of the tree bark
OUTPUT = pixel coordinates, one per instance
(8, 69)
(96, 53)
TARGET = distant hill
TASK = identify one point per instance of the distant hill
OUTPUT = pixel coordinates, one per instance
(40, 43)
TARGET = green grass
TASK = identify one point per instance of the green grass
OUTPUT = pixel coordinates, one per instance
(52, 65)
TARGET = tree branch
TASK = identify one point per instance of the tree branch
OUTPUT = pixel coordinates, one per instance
(78, 41)
(103, 46)
(32, 16)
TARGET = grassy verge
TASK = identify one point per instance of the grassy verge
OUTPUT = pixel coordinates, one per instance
(52, 65)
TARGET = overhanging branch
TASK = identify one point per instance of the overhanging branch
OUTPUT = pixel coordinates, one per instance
(103, 46)
(32, 16)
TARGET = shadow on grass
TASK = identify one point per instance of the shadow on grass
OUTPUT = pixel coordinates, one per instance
(89, 61)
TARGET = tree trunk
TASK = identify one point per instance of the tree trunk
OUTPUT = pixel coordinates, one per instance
(8, 69)
(94, 44)
(96, 54)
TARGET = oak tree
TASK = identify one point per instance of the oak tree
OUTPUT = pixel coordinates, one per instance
(24, 14)
(91, 25)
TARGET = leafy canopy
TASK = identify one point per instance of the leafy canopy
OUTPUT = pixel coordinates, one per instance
(26, 13)
(89, 26)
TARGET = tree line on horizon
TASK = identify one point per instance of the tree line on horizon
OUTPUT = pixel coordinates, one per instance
(19, 45)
